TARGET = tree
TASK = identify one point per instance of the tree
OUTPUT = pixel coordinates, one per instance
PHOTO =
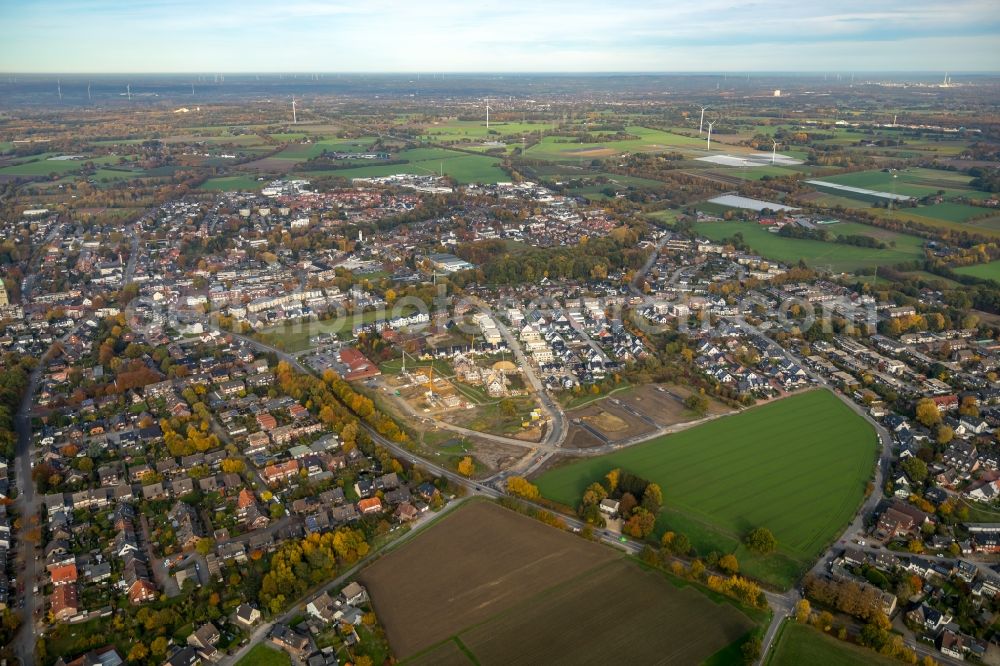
(594, 494)
(761, 541)
(969, 406)
(612, 478)
(640, 524)
(158, 646)
(915, 468)
(751, 650)
(945, 434)
(466, 467)
(927, 412)
(729, 564)
(802, 611)
(518, 485)
(232, 466)
(627, 504)
(139, 652)
(697, 403)
(680, 545)
(205, 546)
(652, 498)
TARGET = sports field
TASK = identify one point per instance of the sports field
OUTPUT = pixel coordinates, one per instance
(797, 466)
(488, 586)
(801, 644)
(463, 167)
(232, 184)
(820, 254)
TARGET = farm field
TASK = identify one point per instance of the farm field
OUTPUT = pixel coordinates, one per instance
(838, 256)
(475, 130)
(510, 590)
(232, 184)
(801, 644)
(990, 271)
(650, 141)
(718, 479)
(914, 182)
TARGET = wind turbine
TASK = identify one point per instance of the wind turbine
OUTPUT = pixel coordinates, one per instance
(295, 119)
(708, 145)
(59, 88)
(128, 91)
(192, 89)
(88, 92)
(774, 150)
(487, 113)
(702, 121)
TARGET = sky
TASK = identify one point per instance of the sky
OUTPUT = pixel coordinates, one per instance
(92, 36)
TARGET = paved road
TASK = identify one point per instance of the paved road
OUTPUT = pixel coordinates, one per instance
(28, 506)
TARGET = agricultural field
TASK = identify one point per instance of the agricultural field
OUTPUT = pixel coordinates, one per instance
(41, 166)
(506, 589)
(990, 271)
(475, 130)
(917, 183)
(719, 479)
(801, 644)
(838, 256)
(650, 141)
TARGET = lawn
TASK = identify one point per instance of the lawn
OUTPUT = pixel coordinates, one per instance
(511, 590)
(820, 254)
(232, 184)
(801, 644)
(264, 655)
(990, 271)
(798, 466)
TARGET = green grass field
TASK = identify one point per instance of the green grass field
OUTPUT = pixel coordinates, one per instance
(798, 466)
(801, 644)
(264, 655)
(231, 184)
(990, 271)
(463, 167)
(914, 182)
(41, 167)
(475, 130)
(838, 256)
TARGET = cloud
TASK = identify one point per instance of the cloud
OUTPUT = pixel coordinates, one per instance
(453, 35)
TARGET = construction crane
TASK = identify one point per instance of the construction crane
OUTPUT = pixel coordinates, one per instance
(430, 381)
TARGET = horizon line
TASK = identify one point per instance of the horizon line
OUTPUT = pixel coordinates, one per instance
(715, 72)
